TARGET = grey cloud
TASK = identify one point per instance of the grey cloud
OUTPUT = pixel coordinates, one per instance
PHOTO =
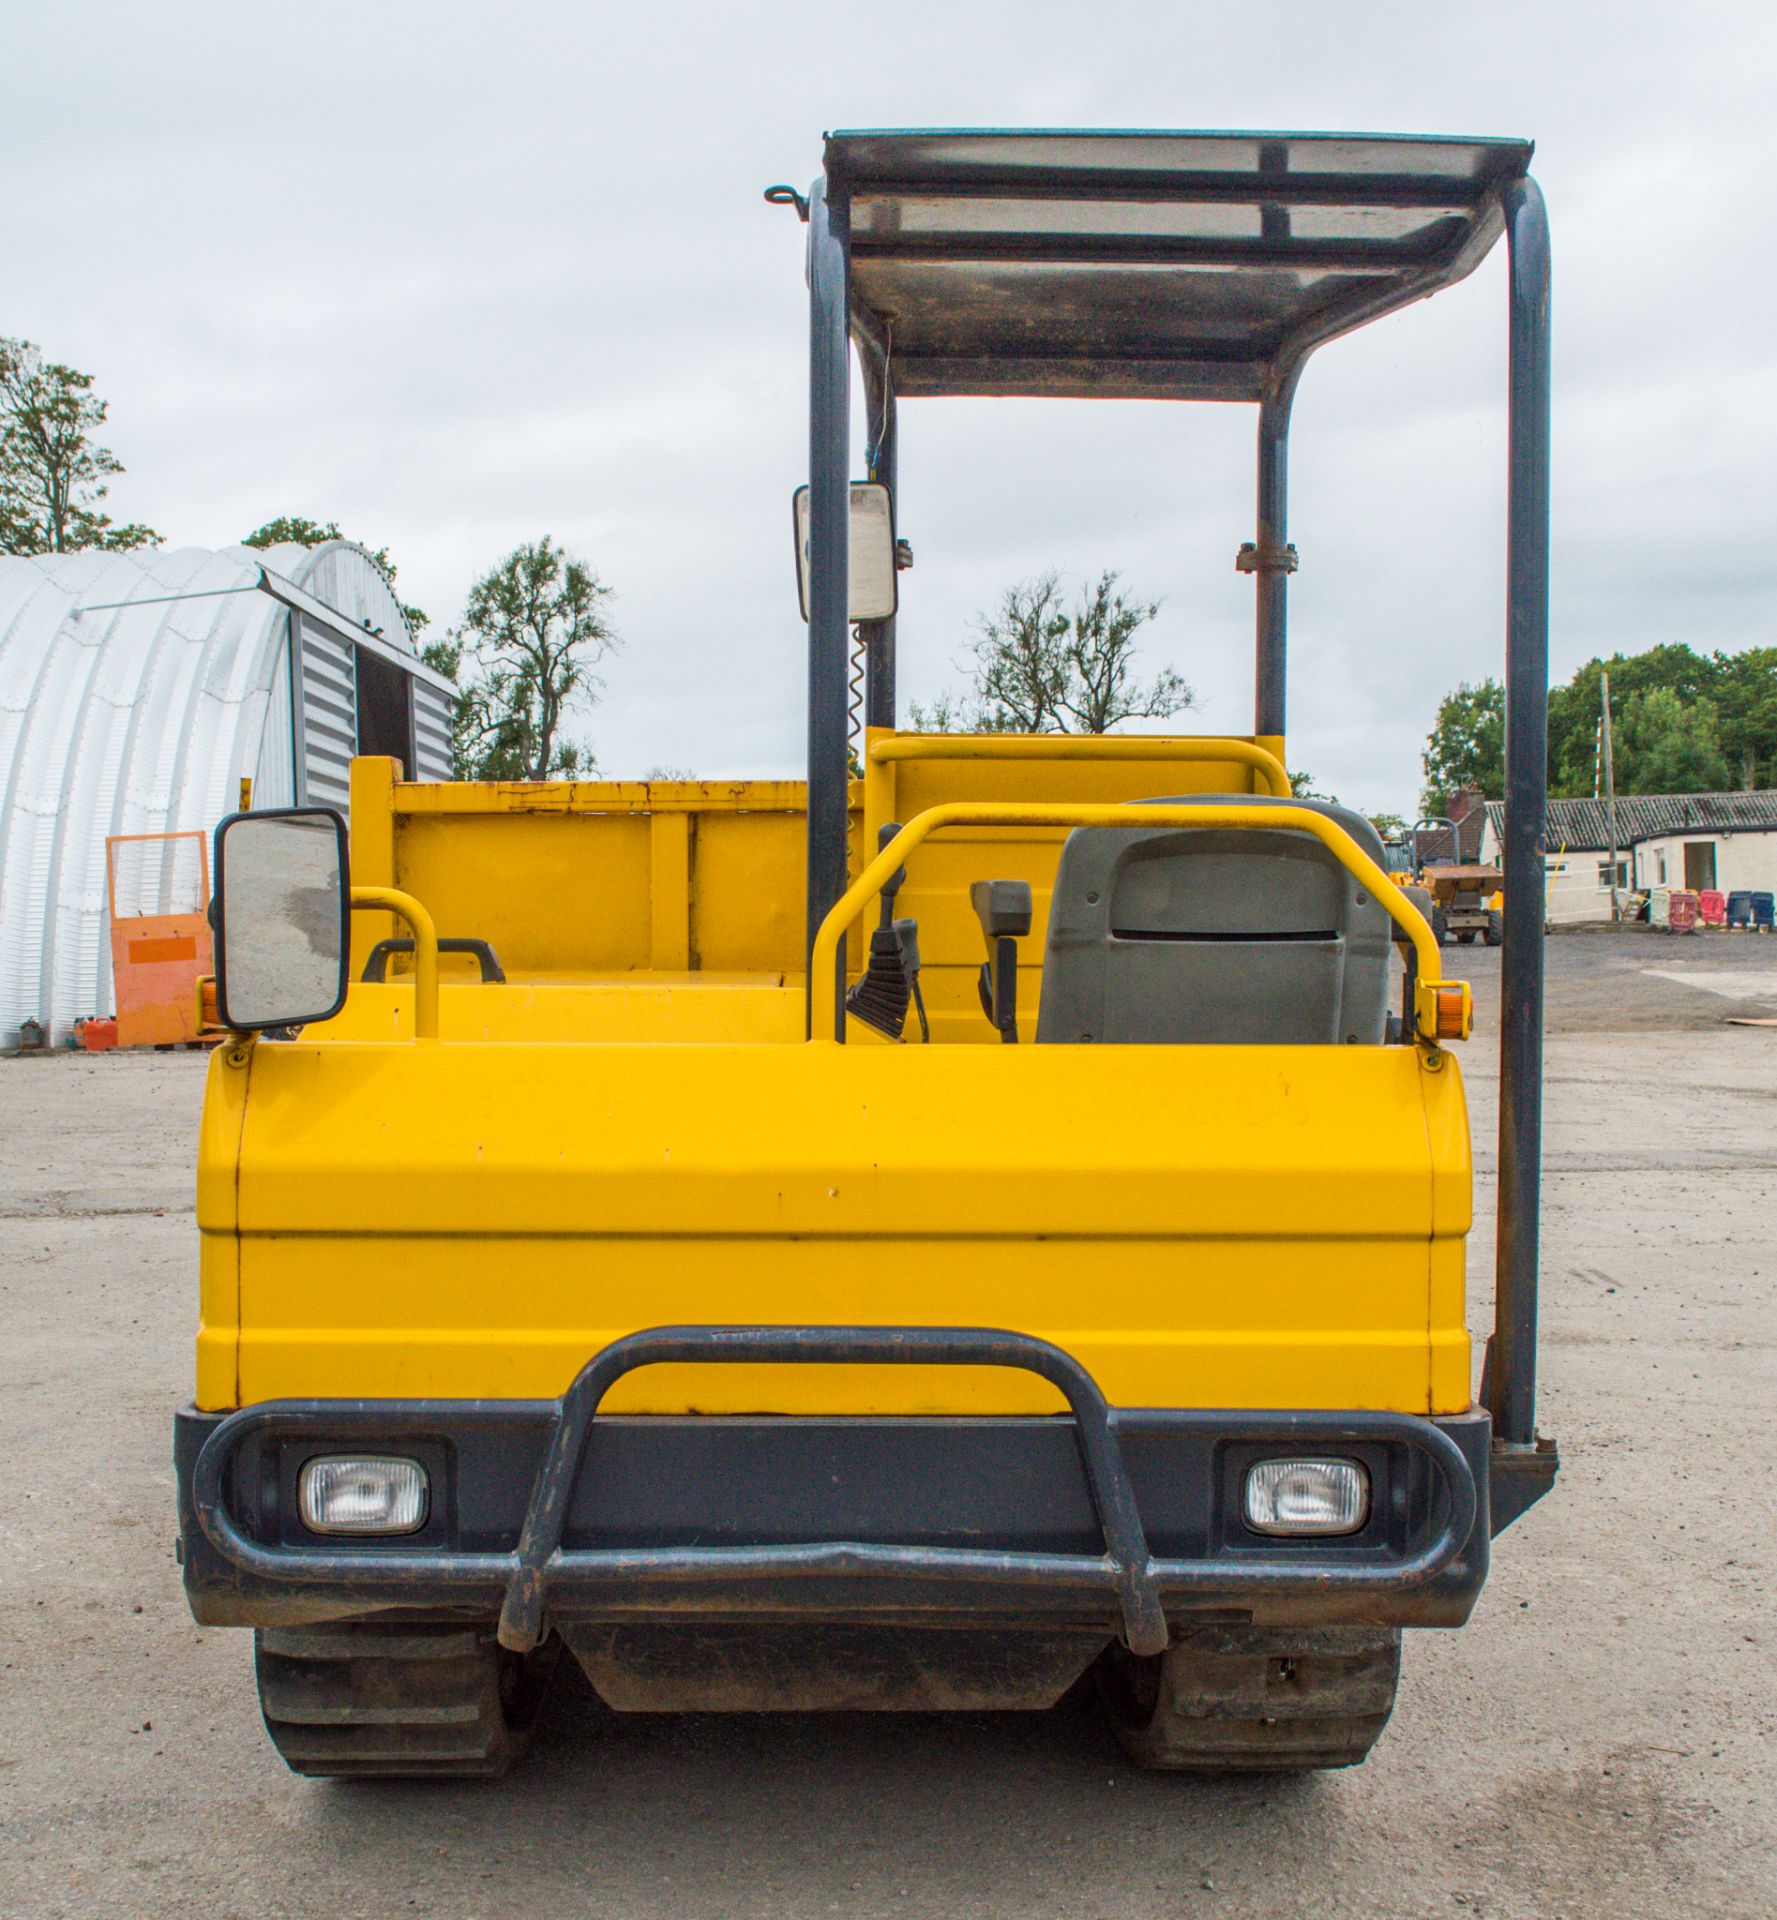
(459, 275)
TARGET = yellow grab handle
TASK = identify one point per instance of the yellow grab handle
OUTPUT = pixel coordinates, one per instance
(425, 951)
(1440, 1006)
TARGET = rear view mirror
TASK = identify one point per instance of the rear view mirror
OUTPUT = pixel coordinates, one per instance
(282, 917)
(872, 552)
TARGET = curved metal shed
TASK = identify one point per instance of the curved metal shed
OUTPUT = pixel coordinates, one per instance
(137, 691)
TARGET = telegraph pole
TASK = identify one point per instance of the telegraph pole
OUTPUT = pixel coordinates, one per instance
(1610, 790)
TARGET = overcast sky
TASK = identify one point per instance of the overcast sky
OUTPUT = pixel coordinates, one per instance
(457, 276)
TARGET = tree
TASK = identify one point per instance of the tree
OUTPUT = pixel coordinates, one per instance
(294, 530)
(534, 628)
(1036, 667)
(1660, 745)
(52, 476)
(1019, 655)
(1466, 746)
(1745, 693)
(1304, 786)
(1681, 722)
(1574, 709)
(946, 713)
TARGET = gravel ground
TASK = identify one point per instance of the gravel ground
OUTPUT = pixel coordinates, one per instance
(1601, 1740)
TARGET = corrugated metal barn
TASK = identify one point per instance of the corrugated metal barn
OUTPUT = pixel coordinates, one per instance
(137, 691)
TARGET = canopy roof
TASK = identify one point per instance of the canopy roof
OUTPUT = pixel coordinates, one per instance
(1162, 265)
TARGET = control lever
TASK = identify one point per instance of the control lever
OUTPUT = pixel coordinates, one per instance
(880, 998)
(1003, 907)
(906, 932)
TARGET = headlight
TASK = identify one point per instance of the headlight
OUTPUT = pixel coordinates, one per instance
(1307, 1496)
(359, 1494)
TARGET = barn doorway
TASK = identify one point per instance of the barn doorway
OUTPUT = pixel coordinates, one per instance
(385, 709)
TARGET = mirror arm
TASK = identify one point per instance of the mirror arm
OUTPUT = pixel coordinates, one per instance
(425, 950)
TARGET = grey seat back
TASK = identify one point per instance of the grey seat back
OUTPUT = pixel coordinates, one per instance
(1199, 936)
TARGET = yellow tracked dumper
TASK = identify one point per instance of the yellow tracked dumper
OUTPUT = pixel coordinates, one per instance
(919, 1241)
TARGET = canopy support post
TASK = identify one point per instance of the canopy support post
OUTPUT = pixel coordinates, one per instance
(1512, 1376)
(1270, 559)
(829, 632)
(879, 635)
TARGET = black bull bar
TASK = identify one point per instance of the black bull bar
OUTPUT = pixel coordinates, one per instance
(523, 1576)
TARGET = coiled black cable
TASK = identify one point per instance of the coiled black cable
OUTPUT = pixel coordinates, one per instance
(854, 693)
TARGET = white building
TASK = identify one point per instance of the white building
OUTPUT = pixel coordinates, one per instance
(138, 690)
(1724, 841)
(1734, 860)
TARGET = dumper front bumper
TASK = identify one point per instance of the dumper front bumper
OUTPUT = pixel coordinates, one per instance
(1116, 1518)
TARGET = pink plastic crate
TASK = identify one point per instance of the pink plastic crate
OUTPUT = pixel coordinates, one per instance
(1712, 908)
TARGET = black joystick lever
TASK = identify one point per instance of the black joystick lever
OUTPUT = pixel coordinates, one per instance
(1003, 908)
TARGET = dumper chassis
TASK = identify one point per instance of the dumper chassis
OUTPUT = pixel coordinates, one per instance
(925, 1240)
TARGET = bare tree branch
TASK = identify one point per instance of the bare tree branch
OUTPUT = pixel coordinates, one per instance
(535, 628)
(1034, 667)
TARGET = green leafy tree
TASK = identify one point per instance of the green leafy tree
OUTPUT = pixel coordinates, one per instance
(1661, 745)
(294, 530)
(1681, 721)
(1745, 693)
(1467, 745)
(52, 474)
(1574, 709)
(1038, 666)
(533, 630)
(444, 656)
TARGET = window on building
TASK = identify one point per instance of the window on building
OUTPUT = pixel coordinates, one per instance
(1659, 869)
(1604, 874)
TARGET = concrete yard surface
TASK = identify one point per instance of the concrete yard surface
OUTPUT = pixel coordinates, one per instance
(1600, 1741)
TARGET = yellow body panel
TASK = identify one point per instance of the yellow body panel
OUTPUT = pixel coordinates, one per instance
(1202, 1227)
(643, 1008)
(634, 1132)
(570, 878)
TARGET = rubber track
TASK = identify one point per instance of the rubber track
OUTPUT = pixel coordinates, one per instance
(370, 1701)
(1255, 1700)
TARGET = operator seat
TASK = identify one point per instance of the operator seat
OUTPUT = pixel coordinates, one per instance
(1194, 936)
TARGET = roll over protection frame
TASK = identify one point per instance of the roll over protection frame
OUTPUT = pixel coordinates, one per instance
(1112, 747)
(1477, 188)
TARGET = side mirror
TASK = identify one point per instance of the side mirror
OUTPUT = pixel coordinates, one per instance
(282, 916)
(870, 552)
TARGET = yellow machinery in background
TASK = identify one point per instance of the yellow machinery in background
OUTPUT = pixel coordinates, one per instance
(1462, 899)
(897, 1242)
